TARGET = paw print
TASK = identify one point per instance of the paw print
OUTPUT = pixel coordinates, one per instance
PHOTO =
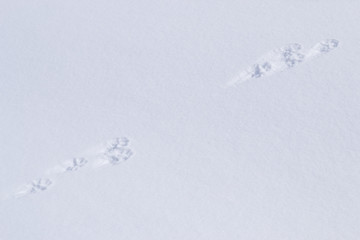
(258, 70)
(40, 184)
(35, 186)
(327, 45)
(291, 55)
(117, 151)
(75, 164)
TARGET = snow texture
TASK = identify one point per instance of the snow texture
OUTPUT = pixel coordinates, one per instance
(179, 120)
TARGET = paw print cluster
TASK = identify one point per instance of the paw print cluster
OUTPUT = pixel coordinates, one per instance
(112, 153)
(258, 70)
(291, 55)
(283, 58)
(327, 45)
(118, 151)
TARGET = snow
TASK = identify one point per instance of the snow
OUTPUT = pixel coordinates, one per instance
(179, 120)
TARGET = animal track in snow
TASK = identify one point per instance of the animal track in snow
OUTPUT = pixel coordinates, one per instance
(71, 165)
(274, 61)
(115, 152)
(281, 59)
(291, 55)
(38, 185)
(118, 155)
(322, 47)
(75, 164)
(259, 70)
(110, 153)
(118, 142)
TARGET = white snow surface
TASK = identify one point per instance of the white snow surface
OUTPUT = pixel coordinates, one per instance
(179, 120)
